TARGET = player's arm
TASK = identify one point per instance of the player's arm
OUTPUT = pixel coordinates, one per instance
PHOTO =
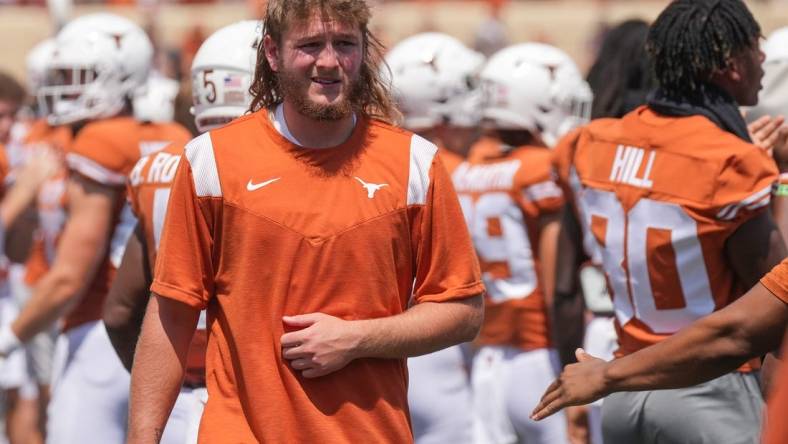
(549, 229)
(326, 344)
(755, 248)
(159, 365)
(568, 322)
(80, 252)
(709, 348)
(124, 308)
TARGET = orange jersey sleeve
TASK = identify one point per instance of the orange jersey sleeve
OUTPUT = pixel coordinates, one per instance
(187, 272)
(106, 150)
(661, 196)
(776, 281)
(447, 266)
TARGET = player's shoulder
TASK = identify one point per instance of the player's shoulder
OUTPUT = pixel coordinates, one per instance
(535, 164)
(243, 124)
(386, 135)
(110, 128)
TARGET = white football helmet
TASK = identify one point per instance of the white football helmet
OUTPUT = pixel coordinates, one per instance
(36, 64)
(222, 72)
(98, 62)
(155, 101)
(535, 87)
(434, 80)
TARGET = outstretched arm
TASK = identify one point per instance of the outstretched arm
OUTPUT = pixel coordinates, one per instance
(326, 344)
(709, 348)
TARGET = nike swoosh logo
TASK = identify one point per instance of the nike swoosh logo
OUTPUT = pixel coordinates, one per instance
(256, 186)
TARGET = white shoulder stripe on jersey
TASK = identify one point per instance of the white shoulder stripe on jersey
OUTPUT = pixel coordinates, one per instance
(756, 200)
(422, 152)
(203, 162)
(93, 170)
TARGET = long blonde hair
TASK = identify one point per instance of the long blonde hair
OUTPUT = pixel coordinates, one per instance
(374, 99)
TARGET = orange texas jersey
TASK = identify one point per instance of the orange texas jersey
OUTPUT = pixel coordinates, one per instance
(105, 151)
(661, 196)
(258, 228)
(149, 191)
(503, 195)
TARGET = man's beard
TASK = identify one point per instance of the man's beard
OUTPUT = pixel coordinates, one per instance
(296, 90)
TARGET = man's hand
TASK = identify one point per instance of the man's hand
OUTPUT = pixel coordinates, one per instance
(578, 384)
(767, 132)
(322, 345)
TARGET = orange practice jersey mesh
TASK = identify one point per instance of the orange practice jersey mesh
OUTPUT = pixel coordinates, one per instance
(503, 195)
(258, 228)
(105, 151)
(661, 196)
(51, 201)
(149, 191)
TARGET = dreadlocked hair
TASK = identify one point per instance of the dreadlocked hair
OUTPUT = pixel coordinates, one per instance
(693, 39)
(375, 100)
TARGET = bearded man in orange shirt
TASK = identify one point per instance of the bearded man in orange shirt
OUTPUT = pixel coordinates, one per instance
(326, 245)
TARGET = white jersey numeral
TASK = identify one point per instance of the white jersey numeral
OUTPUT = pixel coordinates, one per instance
(500, 236)
(623, 239)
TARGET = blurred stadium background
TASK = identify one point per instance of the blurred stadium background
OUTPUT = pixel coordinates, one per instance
(178, 27)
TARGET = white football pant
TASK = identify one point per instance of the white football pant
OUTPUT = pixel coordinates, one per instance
(90, 389)
(507, 384)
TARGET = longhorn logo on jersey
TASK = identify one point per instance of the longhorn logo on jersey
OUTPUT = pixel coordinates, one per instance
(371, 188)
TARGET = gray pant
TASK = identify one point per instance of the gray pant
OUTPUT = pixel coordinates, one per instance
(726, 410)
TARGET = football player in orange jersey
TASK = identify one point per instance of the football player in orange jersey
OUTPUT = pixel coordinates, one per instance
(306, 228)
(99, 60)
(434, 78)
(221, 73)
(620, 80)
(532, 94)
(676, 198)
